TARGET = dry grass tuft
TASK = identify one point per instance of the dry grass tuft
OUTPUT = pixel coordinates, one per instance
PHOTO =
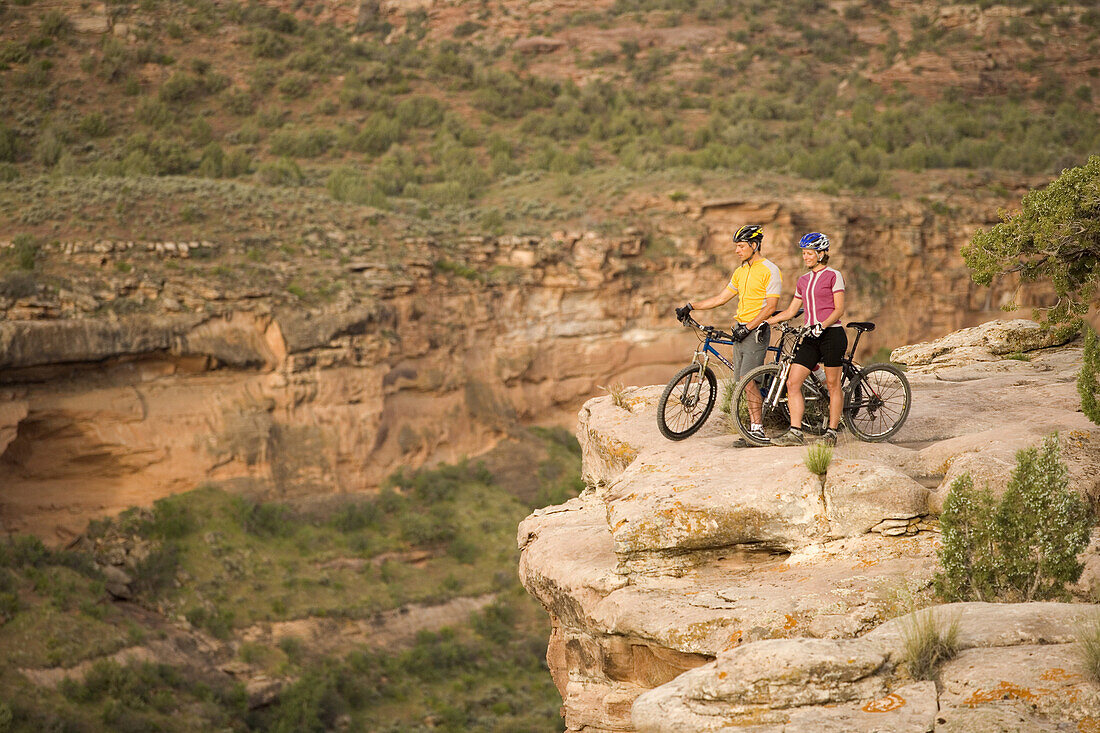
(926, 645)
(818, 457)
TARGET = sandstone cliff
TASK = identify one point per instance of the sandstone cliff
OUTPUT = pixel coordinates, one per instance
(698, 555)
(431, 352)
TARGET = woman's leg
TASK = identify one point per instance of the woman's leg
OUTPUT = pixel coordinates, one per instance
(836, 397)
(795, 403)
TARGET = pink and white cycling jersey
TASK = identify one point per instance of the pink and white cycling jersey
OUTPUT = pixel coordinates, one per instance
(816, 291)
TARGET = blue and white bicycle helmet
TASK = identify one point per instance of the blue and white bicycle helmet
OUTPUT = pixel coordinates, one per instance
(815, 241)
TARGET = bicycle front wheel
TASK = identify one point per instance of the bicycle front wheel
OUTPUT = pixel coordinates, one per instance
(878, 402)
(686, 402)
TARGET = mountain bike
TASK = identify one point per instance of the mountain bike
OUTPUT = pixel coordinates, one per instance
(689, 397)
(877, 397)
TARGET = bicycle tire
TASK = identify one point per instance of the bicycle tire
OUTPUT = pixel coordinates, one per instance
(877, 403)
(674, 410)
(775, 419)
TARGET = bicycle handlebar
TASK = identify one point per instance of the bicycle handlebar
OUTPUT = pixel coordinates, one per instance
(715, 332)
(710, 331)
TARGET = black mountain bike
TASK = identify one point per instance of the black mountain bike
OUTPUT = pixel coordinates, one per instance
(877, 397)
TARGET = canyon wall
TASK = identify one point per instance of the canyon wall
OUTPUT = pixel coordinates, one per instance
(445, 348)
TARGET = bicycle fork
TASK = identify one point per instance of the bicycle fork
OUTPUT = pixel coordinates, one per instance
(693, 399)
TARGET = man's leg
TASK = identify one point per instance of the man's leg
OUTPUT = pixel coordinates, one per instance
(752, 356)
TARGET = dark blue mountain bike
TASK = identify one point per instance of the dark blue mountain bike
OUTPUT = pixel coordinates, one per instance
(690, 396)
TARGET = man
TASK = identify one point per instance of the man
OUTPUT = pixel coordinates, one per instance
(757, 283)
(822, 291)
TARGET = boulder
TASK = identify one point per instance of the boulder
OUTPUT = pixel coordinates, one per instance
(985, 343)
(761, 582)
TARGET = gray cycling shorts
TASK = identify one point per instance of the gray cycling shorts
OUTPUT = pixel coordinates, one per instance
(750, 353)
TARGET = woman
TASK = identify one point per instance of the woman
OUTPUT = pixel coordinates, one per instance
(821, 292)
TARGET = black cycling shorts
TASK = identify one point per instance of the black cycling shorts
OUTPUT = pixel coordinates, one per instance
(827, 349)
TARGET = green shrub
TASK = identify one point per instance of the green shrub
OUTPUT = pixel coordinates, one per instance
(379, 132)
(157, 571)
(356, 516)
(25, 248)
(295, 86)
(49, 149)
(239, 102)
(349, 184)
(212, 162)
(55, 24)
(218, 622)
(13, 52)
(95, 125)
(268, 45)
(153, 112)
(283, 172)
(9, 604)
(18, 284)
(8, 142)
(171, 519)
(181, 87)
(1023, 548)
(1088, 387)
(237, 163)
(419, 112)
(305, 144)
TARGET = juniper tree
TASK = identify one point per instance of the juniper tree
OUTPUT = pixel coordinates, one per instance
(1024, 547)
(1040, 526)
(967, 554)
(1055, 236)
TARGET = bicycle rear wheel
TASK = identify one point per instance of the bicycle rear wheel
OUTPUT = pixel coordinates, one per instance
(776, 418)
(878, 402)
(686, 402)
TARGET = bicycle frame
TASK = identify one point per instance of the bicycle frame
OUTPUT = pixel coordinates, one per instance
(849, 366)
(707, 350)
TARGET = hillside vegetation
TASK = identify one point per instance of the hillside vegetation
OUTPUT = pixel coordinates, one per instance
(214, 573)
(445, 115)
(297, 138)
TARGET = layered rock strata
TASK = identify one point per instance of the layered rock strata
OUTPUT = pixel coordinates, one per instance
(678, 553)
(431, 351)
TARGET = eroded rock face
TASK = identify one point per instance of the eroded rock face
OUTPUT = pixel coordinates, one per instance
(1018, 669)
(696, 551)
(409, 365)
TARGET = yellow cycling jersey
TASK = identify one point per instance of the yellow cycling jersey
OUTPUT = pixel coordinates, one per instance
(754, 284)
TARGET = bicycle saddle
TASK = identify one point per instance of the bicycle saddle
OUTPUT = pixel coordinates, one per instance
(862, 326)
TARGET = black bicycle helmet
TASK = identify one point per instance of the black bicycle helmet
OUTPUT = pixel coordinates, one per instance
(751, 233)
